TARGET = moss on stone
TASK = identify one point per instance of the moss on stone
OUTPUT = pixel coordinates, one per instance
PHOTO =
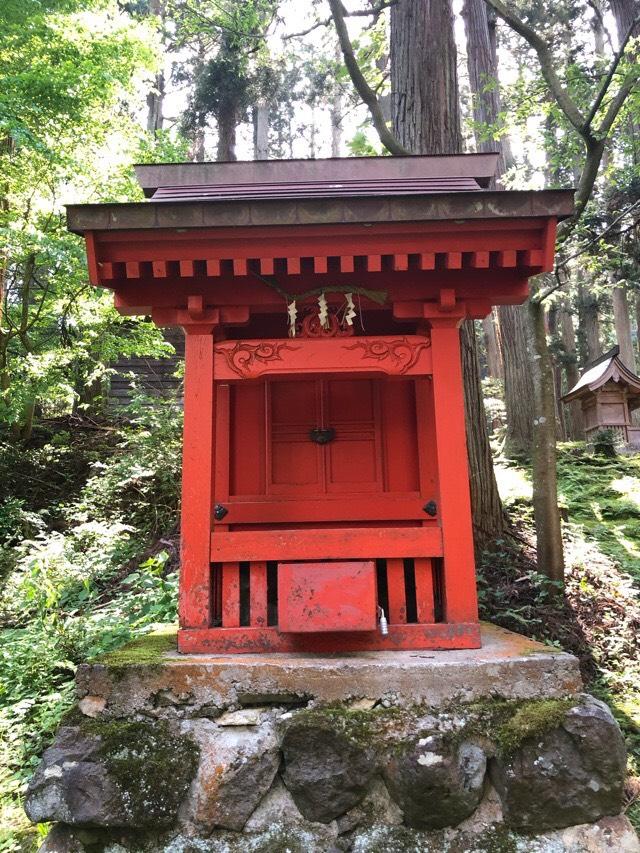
(362, 728)
(148, 650)
(151, 767)
(531, 720)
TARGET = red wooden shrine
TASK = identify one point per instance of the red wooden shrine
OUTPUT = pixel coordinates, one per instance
(325, 494)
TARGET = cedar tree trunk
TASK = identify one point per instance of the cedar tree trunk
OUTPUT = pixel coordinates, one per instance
(426, 120)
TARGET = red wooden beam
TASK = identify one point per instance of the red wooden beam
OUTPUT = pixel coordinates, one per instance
(255, 640)
(392, 355)
(258, 594)
(230, 595)
(333, 544)
(197, 479)
(159, 269)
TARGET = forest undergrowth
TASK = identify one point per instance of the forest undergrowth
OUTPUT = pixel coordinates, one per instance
(88, 560)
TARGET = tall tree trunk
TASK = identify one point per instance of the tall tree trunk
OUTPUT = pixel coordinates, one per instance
(545, 484)
(424, 78)
(556, 367)
(575, 419)
(588, 311)
(494, 356)
(622, 322)
(155, 97)
(261, 131)
(482, 62)
(518, 383)
(638, 323)
(426, 120)
(336, 109)
(227, 122)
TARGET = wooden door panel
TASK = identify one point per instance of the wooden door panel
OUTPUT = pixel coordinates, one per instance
(296, 463)
(353, 458)
(247, 439)
(400, 426)
(375, 457)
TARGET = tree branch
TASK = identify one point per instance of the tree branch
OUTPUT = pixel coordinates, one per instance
(365, 91)
(541, 48)
(359, 13)
(614, 108)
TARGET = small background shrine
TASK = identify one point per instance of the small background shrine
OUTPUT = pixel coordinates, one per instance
(608, 393)
(325, 495)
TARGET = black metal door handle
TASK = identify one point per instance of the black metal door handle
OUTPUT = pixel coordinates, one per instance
(322, 435)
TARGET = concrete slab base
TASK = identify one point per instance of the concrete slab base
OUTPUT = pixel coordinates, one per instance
(508, 666)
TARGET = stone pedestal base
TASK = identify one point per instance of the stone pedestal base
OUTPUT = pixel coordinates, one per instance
(492, 749)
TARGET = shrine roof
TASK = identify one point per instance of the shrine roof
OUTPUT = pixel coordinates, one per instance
(607, 368)
(305, 192)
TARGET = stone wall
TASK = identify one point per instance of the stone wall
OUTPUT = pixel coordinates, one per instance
(140, 765)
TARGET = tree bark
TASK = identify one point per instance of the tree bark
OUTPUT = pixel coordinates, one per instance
(494, 356)
(622, 322)
(575, 419)
(588, 312)
(155, 97)
(545, 485)
(261, 131)
(424, 79)
(336, 111)
(482, 62)
(227, 121)
(425, 103)
(488, 517)
(518, 384)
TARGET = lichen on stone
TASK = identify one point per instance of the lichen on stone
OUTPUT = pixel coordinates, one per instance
(151, 767)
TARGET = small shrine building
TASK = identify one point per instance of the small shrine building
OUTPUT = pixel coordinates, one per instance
(325, 492)
(608, 392)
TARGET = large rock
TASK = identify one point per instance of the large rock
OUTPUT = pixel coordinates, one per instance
(571, 774)
(436, 783)
(117, 774)
(237, 767)
(326, 771)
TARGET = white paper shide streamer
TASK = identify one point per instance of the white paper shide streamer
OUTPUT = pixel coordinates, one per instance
(323, 311)
(292, 311)
(350, 313)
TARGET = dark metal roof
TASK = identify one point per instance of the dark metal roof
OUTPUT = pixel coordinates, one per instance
(480, 168)
(317, 189)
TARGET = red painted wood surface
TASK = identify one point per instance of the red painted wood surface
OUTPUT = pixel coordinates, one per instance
(398, 355)
(321, 597)
(453, 472)
(258, 594)
(197, 479)
(230, 595)
(399, 241)
(424, 590)
(327, 543)
(252, 640)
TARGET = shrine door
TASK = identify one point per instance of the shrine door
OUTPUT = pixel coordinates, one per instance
(325, 451)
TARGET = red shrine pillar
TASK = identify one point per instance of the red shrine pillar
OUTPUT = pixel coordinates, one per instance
(453, 470)
(197, 477)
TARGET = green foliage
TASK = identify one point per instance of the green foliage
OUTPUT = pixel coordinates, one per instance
(85, 587)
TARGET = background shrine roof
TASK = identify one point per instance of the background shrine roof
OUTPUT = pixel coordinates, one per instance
(303, 192)
(599, 372)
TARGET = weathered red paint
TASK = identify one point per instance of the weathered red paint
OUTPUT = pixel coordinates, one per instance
(321, 597)
(251, 640)
(311, 536)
